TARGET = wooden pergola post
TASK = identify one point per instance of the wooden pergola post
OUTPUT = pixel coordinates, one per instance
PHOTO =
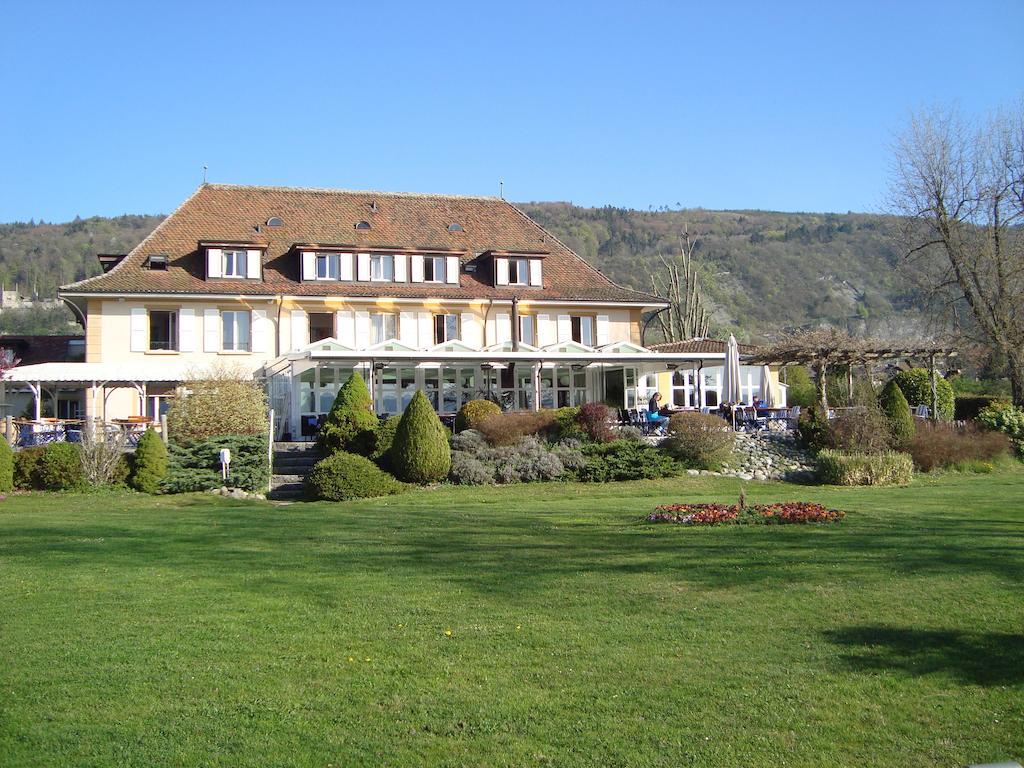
(849, 383)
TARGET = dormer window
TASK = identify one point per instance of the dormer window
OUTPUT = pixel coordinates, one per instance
(275, 221)
(158, 262)
(382, 266)
(362, 225)
(518, 272)
(327, 266)
(433, 269)
(455, 227)
(234, 263)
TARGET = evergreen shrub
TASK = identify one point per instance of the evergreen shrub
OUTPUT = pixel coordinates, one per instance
(916, 385)
(420, 452)
(149, 465)
(195, 465)
(473, 413)
(6, 466)
(343, 476)
(897, 412)
(351, 424)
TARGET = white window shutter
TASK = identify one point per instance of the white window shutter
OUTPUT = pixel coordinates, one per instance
(490, 334)
(546, 331)
(407, 330)
(603, 330)
(300, 329)
(214, 263)
(252, 266)
(308, 265)
(503, 328)
(564, 328)
(258, 332)
(362, 266)
(345, 328)
(536, 277)
(211, 330)
(501, 271)
(416, 268)
(344, 266)
(425, 321)
(186, 329)
(362, 329)
(451, 270)
(471, 330)
(139, 329)
(401, 260)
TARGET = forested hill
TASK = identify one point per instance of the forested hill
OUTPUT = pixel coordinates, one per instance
(760, 270)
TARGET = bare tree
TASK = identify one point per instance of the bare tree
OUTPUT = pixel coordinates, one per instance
(958, 189)
(685, 317)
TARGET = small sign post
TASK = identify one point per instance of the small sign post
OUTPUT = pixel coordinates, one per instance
(225, 463)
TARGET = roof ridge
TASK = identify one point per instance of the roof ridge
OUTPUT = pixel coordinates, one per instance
(338, 191)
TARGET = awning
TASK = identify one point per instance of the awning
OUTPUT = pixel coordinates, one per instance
(110, 374)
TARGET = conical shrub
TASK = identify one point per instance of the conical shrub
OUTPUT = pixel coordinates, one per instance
(150, 463)
(420, 451)
(897, 412)
(351, 424)
(6, 466)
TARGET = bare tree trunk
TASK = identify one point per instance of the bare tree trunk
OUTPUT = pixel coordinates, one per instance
(819, 374)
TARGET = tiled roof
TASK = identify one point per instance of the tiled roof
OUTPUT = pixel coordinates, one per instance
(228, 213)
(716, 346)
(41, 349)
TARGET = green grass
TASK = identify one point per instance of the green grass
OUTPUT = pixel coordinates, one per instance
(194, 630)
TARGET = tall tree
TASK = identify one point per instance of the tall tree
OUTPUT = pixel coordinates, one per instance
(958, 190)
(685, 317)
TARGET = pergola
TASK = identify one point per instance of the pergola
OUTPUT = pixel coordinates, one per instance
(829, 347)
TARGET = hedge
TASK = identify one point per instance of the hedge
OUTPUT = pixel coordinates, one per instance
(967, 407)
(195, 465)
(890, 468)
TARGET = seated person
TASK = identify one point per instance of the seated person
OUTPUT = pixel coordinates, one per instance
(654, 414)
(758, 402)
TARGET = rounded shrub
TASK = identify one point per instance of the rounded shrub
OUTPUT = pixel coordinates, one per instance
(916, 385)
(698, 440)
(466, 469)
(420, 453)
(26, 468)
(351, 424)
(897, 412)
(343, 476)
(474, 413)
(150, 463)
(60, 468)
(567, 424)
(6, 467)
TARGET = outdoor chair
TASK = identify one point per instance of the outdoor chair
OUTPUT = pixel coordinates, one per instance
(922, 412)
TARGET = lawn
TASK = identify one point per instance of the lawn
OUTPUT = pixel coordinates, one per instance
(194, 630)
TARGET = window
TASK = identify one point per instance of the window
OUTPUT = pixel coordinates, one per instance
(446, 328)
(455, 227)
(75, 352)
(362, 225)
(163, 329)
(382, 267)
(383, 327)
(583, 330)
(235, 331)
(275, 221)
(433, 269)
(321, 326)
(528, 329)
(158, 262)
(327, 266)
(518, 272)
(235, 263)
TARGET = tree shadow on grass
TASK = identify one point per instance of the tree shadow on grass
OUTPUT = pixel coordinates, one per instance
(977, 658)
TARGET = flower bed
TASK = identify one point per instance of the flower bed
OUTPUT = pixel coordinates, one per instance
(780, 513)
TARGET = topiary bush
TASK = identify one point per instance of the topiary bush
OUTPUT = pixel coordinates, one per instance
(195, 465)
(897, 412)
(593, 420)
(26, 468)
(474, 413)
(384, 438)
(149, 465)
(6, 466)
(420, 452)
(60, 468)
(351, 424)
(889, 468)
(343, 476)
(916, 385)
(698, 440)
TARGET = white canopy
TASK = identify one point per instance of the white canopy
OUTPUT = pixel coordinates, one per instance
(96, 373)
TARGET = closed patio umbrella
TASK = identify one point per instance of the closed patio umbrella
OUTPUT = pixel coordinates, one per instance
(767, 390)
(731, 377)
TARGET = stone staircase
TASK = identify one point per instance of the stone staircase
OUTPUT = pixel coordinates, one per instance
(292, 462)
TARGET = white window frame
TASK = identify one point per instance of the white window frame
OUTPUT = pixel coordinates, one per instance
(382, 267)
(379, 324)
(331, 266)
(444, 336)
(236, 325)
(518, 271)
(232, 261)
(531, 337)
(586, 323)
(175, 333)
(434, 269)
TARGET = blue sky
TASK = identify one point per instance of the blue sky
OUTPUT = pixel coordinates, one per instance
(785, 106)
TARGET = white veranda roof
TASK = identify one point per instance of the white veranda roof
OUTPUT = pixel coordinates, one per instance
(100, 373)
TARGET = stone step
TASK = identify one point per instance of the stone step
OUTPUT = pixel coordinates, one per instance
(279, 481)
(299, 462)
(285, 494)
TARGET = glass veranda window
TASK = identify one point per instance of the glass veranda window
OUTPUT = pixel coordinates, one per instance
(235, 331)
(234, 263)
